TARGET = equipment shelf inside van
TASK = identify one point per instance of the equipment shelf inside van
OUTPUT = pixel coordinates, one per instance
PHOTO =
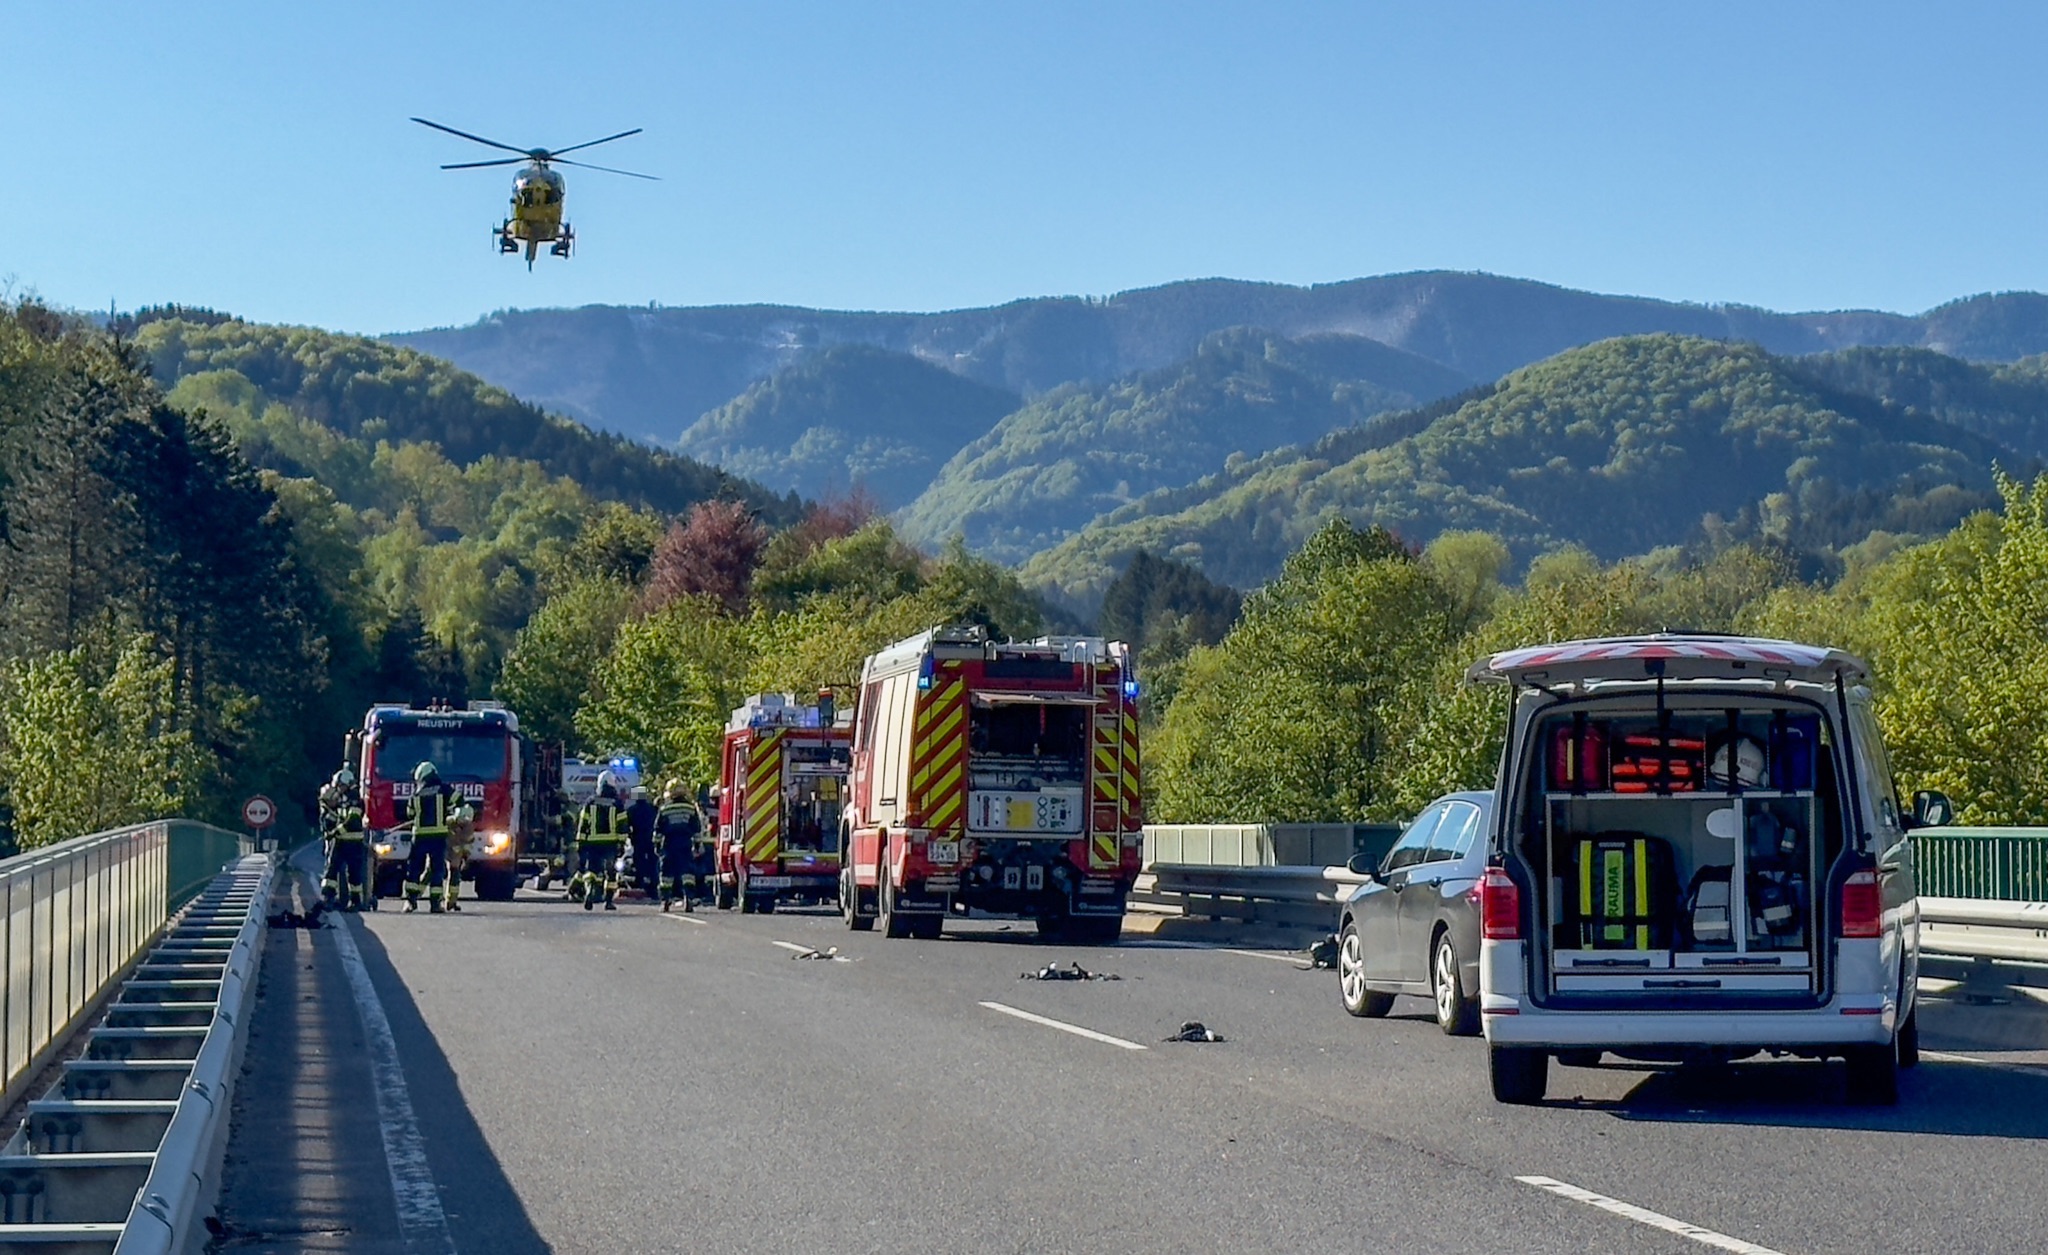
(1678, 842)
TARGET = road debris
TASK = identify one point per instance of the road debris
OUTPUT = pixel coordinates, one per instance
(829, 953)
(292, 919)
(1195, 1030)
(1323, 953)
(1073, 971)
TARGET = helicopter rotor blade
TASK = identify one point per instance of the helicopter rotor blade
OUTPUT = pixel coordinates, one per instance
(477, 165)
(491, 143)
(584, 165)
(595, 142)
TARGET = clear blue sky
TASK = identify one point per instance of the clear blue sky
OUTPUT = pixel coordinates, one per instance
(256, 157)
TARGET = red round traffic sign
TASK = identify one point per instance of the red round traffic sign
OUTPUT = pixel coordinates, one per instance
(259, 811)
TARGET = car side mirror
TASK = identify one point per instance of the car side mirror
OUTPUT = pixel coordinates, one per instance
(1363, 865)
(1932, 809)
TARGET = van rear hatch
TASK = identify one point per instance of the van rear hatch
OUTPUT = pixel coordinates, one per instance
(1676, 804)
(1672, 656)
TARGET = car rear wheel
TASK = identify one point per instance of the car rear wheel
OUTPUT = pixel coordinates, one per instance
(1519, 1074)
(1456, 1014)
(1358, 1000)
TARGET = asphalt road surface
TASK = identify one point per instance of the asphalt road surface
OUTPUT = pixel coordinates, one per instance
(557, 1080)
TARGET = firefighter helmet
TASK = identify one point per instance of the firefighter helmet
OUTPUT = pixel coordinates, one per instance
(675, 790)
(425, 772)
(607, 784)
(344, 779)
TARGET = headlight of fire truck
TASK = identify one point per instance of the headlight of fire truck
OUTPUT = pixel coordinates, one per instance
(383, 849)
(497, 842)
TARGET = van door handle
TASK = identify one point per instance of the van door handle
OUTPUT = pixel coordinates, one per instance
(1890, 867)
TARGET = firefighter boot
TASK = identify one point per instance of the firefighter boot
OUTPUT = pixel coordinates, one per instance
(411, 905)
(433, 906)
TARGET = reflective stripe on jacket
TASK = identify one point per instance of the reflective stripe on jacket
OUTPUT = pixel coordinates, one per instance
(429, 811)
(602, 820)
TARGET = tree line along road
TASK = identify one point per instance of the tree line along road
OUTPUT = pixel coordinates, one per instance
(570, 1082)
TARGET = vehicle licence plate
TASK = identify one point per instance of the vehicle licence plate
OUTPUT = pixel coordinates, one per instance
(943, 851)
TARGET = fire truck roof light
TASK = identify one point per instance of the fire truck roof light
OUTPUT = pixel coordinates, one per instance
(1131, 689)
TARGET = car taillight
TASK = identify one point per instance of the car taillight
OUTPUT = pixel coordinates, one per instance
(1500, 906)
(1862, 905)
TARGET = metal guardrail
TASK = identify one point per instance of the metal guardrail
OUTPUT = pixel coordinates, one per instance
(184, 1174)
(1264, 845)
(1988, 946)
(1981, 942)
(2010, 864)
(1288, 897)
(119, 1154)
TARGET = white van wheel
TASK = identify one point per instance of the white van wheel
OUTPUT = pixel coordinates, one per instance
(1874, 1075)
(1519, 1074)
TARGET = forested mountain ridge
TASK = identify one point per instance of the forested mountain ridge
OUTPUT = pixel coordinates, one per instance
(850, 417)
(1080, 451)
(1620, 448)
(366, 390)
(651, 372)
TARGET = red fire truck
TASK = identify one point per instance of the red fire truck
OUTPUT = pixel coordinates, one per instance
(478, 750)
(994, 777)
(782, 781)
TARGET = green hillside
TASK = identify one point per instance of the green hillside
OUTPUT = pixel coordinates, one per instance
(362, 389)
(850, 417)
(1621, 447)
(1082, 451)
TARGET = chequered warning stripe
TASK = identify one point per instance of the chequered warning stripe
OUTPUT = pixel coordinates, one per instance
(938, 764)
(1134, 805)
(764, 798)
(1107, 786)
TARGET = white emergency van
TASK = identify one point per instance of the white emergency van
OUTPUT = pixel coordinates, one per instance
(1698, 854)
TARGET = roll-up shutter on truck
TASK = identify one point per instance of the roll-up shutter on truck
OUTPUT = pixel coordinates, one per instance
(938, 762)
(763, 802)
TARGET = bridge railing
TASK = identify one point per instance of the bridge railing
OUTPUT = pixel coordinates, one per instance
(77, 915)
(2009, 864)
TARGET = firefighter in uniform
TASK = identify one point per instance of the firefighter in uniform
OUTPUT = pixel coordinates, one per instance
(640, 818)
(679, 828)
(461, 833)
(348, 848)
(335, 795)
(430, 808)
(600, 832)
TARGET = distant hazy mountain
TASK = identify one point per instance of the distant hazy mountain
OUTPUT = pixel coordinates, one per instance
(851, 416)
(650, 373)
(1621, 447)
(1082, 450)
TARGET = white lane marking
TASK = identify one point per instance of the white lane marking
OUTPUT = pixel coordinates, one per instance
(422, 1225)
(1292, 960)
(686, 919)
(2032, 1066)
(791, 945)
(1945, 1057)
(1063, 1026)
(1642, 1215)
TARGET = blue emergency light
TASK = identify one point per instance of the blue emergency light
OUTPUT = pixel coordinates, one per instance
(1131, 689)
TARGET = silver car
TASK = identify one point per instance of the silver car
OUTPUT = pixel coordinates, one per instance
(1413, 928)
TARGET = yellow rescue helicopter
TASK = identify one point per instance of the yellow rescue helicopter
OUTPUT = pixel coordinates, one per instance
(537, 192)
